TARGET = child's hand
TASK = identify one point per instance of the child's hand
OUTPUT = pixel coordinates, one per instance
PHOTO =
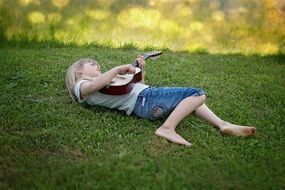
(126, 69)
(140, 60)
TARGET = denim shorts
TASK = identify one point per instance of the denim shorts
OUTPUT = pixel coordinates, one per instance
(158, 102)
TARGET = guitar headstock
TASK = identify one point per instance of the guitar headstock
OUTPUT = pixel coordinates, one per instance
(148, 55)
(152, 54)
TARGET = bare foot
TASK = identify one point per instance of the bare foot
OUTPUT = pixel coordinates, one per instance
(171, 135)
(237, 130)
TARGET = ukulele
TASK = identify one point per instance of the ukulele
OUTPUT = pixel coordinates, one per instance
(123, 84)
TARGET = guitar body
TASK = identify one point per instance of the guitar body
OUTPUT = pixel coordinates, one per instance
(123, 84)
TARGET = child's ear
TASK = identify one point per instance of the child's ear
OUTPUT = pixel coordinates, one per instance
(78, 73)
(79, 70)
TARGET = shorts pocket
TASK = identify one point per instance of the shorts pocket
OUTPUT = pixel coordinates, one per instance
(157, 110)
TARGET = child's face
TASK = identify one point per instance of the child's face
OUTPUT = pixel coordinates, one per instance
(91, 69)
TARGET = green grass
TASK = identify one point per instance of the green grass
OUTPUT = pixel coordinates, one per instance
(49, 142)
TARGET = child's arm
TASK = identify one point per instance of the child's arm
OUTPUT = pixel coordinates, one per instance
(104, 79)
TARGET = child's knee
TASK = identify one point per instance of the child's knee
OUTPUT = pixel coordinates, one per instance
(202, 98)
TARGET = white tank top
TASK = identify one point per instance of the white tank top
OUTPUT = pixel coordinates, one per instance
(124, 102)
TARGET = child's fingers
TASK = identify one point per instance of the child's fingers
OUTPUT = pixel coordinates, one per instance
(140, 56)
(141, 61)
(131, 69)
(127, 69)
(140, 64)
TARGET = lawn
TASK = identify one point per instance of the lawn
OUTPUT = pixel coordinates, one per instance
(49, 142)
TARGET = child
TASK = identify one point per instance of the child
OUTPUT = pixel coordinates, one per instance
(84, 80)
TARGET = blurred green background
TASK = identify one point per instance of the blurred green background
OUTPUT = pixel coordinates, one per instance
(214, 26)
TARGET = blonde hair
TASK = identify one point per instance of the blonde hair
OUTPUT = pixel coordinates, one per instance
(72, 76)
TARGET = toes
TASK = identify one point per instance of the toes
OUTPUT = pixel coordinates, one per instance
(239, 131)
(171, 136)
(249, 131)
(187, 143)
(253, 130)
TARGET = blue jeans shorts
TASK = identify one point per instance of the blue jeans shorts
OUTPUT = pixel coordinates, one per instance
(157, 102)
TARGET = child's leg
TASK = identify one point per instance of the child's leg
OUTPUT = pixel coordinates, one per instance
(183, 109)
(225, 127)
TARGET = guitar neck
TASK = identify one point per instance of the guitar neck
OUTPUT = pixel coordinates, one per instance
(135, 64)
(146, 56)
